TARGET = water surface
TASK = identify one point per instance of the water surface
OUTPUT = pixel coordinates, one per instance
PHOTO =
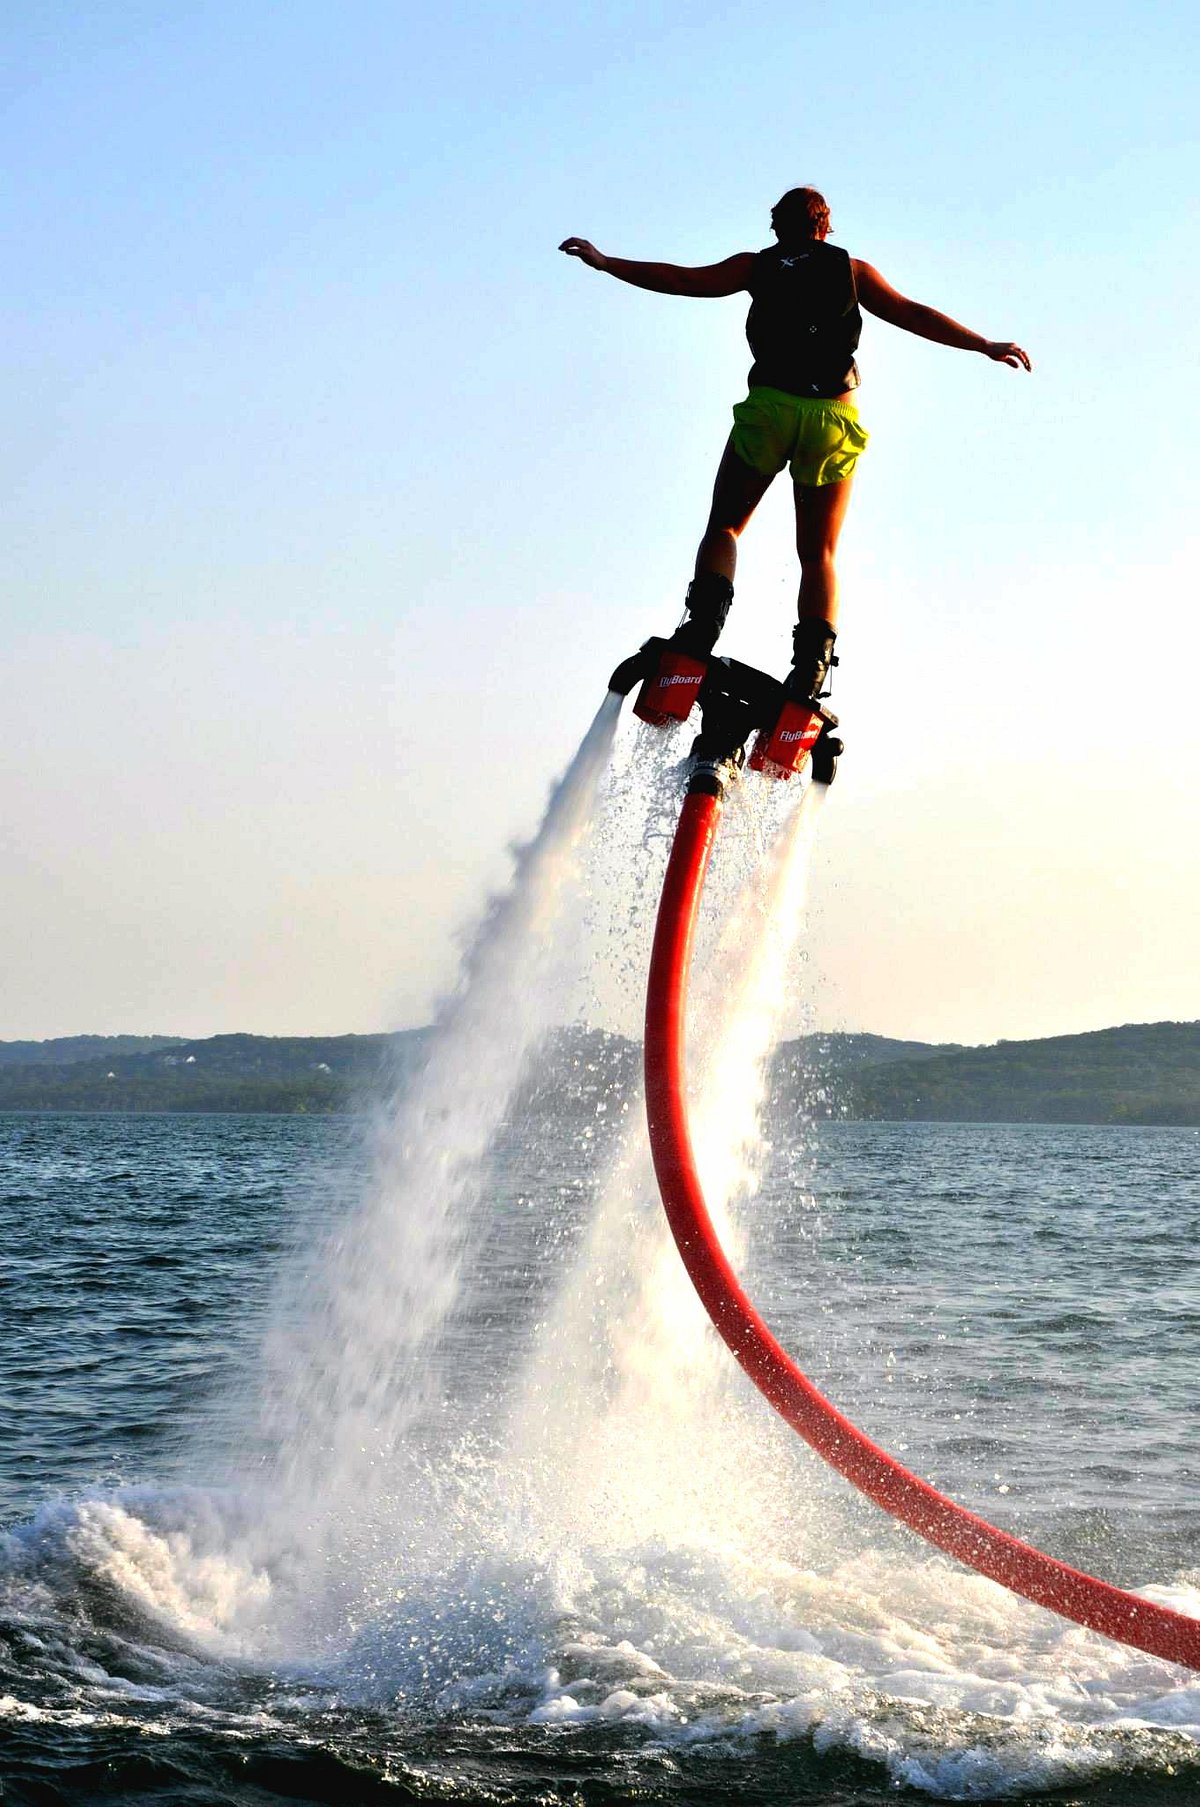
(602, 1571)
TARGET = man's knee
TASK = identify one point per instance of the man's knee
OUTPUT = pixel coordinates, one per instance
(815, 557)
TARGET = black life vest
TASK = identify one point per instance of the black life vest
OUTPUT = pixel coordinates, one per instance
(804, 325)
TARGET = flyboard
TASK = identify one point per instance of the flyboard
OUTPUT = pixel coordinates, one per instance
(735, 702)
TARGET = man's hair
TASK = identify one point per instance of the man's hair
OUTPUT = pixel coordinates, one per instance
(801, 214)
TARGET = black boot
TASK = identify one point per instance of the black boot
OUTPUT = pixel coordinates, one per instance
(812, 659)
(709, 600)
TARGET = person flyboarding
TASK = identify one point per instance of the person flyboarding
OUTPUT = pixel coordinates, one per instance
(803, 329)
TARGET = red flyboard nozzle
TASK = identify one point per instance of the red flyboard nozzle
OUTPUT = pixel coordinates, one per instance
(669, 694)
(784, 750)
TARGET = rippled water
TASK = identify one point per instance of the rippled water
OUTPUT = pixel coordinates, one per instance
(599, 1578)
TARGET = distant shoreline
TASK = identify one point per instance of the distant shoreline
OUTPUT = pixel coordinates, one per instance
(1144, 1074)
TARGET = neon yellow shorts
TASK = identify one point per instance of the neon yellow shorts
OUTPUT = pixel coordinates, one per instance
(817, 439)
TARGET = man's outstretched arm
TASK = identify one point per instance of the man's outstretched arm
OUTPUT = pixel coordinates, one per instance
(879, 297)
(707, 282)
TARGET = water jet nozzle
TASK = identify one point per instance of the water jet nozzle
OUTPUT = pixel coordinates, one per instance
(639, 666)
(825, 756)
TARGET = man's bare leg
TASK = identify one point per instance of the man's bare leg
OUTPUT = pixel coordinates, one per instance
(738, 490)
(820, 512)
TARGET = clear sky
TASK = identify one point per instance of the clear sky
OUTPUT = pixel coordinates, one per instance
(320, 464)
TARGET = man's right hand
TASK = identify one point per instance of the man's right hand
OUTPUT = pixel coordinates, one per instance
(583, 248)
(1003, 353)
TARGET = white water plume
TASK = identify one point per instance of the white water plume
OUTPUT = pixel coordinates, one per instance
(353, 1360)
(627, 1421)
(629, 1402)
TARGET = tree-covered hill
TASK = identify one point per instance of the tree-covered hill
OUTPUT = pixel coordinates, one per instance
(64, 1050)
(219, 1073)
(1142, 1073)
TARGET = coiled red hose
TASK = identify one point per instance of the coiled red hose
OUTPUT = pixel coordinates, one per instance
(1016, 1565)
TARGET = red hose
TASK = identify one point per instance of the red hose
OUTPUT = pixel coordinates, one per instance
(1016, 1565)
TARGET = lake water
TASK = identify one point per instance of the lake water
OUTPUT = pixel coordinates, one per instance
(499, 1522)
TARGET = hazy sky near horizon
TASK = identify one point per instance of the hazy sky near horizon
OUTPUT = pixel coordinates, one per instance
(334, 493)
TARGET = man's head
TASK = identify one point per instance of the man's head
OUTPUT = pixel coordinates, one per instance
(800, 216)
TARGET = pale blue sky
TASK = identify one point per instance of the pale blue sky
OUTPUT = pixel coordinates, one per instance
(312, 435)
